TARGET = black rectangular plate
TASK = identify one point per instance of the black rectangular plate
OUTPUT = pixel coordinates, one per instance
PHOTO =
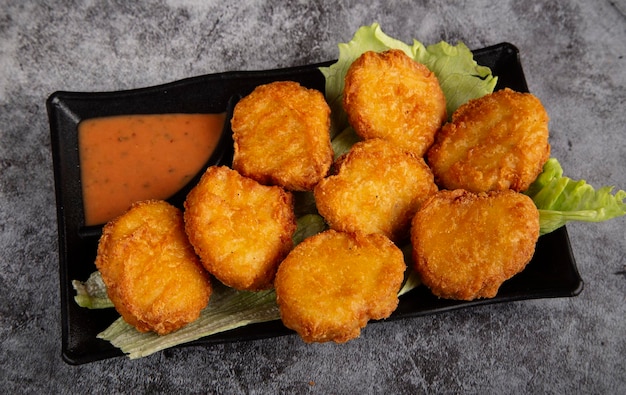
(551, 273)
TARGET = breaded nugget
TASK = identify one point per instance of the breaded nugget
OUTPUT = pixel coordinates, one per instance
(389, 95)
(332, 283)
(282, 136)
(153, 277)
(377, 189)
(240, 229)
(496, 142)
(466, 245)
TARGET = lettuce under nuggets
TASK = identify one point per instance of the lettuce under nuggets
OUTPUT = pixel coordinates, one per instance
(496, 142)
(333, 283)
(466, 245)
(389, 95)
(240, 229)
(153, 277)
(377, 189)
(282, 136)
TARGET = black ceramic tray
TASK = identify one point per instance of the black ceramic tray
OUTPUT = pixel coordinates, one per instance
(551, 273)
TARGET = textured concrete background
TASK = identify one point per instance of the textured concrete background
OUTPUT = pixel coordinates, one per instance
(573, 55)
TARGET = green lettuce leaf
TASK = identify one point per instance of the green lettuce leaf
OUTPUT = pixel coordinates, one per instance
(307, 226)
(92, 294)
(411, 278)
(344, 141)
(228, 309)
(460, 77)
(561, 199)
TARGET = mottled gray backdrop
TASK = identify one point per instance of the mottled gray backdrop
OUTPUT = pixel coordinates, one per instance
(573, 55)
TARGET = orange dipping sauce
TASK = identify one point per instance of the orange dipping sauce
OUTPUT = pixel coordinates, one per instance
(128, 158)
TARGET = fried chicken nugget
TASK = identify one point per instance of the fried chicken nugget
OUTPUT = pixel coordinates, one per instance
(389, 95)
(153, 277)
(466, 245)
(240, 229)
(496, 142)
(282, 136)
(377, 189)
(332, 283)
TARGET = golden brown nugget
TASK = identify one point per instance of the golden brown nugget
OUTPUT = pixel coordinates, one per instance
(153, 277)
(282, 136)
(389, 95)
(466, 245)
(377, 189)
(240, 229)
(496, 142)
(333, 283)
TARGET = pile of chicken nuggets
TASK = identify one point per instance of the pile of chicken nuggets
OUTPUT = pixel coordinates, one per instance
(452, 189)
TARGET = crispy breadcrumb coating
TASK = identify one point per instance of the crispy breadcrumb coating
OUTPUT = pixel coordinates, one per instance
(388, 95)
(496, 142)
(466, 245)
(152, 275)
(377, 189)
(240, 229)
(333, 283)
(282, 136)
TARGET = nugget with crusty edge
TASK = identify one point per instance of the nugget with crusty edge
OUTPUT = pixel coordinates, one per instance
(498, 141)
(466, 245)
(282, 136)
(240, 229)
(333, 283)
(390, 96)
(377, 189)
(152, 275)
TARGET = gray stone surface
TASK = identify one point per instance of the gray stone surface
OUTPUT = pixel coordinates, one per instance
(573, 55)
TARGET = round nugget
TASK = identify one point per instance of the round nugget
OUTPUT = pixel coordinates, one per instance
(282, 136)
(333, 283)
(496, 142)
(389, 95)
(240, 229)
(152, 275)
(466, 245)
(378, 188)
